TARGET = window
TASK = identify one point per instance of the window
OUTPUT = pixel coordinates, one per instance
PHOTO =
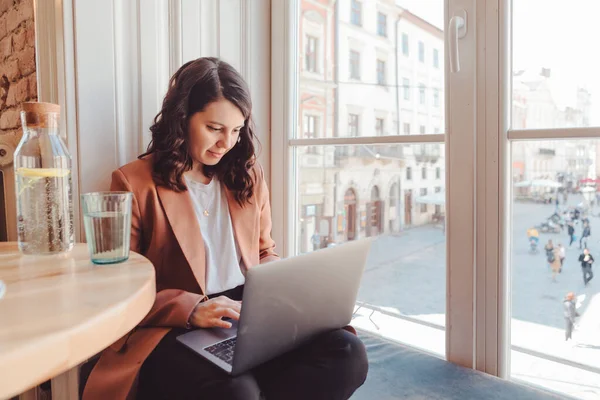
(422, 129)
(310, 54)
(421, 52)
(356, 13)
(405, 44)
(423, 207)
(436, 60)
(381, 24)
(354, 64)
(310, 131)
(379, 126)
(438, 173)
(380, 72)
(436, 97)
(423, 173)
(333, 192)
(529, 117)
(421, 94)
(438, 189)
(353, 125)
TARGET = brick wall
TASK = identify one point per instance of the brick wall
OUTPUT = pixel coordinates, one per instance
(17, 62)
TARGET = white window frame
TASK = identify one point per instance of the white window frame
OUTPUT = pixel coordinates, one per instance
(460, 151)
(382, 32)
(379, 62)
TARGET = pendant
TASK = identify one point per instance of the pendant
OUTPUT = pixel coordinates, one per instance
(206, 213)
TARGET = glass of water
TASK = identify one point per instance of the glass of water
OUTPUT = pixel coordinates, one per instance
(107, 221)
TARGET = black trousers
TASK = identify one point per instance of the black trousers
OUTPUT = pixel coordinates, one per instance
(331, 366)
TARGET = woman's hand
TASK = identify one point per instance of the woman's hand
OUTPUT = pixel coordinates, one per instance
(209, 314)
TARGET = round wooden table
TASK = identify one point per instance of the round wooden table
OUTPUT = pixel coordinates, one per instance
(57, 311)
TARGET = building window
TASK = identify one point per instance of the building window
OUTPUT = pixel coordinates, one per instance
(406, 126)
(353, 125)
(421, 52)
(311, 124)
(356, 13)
(436, 58)
(382, 24)
(438, 189)
(380, 72)
(438, 173)
(408, 173)
(422, 129)
(406, 88)
(436, 97)
(421, 93)
(423, 208)
(405, 44)
(436, 130)
(310, 54)
(379, 126)
(424, 173)
(354, 64)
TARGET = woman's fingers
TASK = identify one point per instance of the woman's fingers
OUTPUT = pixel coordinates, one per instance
(219, 323)
(228, 312)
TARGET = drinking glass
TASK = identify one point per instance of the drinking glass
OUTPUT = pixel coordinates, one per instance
(107, 221)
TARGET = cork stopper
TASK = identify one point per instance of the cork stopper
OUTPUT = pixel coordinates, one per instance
(40, 107)
(39, 114)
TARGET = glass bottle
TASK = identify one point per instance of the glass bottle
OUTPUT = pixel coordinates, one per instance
(43, 183)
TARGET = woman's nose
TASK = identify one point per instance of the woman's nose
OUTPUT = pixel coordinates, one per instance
(227, 141)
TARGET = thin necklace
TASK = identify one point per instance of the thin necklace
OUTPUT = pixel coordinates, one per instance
(212, 193)
(206, 211)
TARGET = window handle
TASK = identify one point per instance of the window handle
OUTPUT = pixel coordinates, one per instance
(457, 29)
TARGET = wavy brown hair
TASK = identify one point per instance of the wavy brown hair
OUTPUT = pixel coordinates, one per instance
(194, 86)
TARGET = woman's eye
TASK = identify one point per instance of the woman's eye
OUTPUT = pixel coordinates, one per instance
(213, 128)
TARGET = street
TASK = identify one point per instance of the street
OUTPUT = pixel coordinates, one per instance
(406, 275)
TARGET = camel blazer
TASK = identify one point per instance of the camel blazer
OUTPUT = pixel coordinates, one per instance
(165, 229)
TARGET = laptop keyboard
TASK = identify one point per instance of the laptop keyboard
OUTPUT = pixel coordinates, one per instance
(223, 350)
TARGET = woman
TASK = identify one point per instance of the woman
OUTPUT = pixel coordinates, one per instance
(201, 214)
(555, 263)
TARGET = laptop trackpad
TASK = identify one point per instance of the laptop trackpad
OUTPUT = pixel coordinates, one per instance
(203, 337)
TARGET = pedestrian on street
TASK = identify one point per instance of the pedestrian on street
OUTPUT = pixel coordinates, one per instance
(571, 232)
(554, 261)
(587, 232)
(316, 240)
(549, 248)
(570, 313)
(562, 254)
(586, 260)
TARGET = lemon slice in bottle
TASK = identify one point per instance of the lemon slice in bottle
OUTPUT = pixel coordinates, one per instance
(43, 172)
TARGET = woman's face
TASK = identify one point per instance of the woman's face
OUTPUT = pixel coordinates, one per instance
(214, 131)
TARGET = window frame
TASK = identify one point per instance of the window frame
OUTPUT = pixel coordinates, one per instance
(381, 72)
(379, 126)
(459, 144)
(315, 54)
(356, 12)
(353, 127)
(382, 24)
(354, 64)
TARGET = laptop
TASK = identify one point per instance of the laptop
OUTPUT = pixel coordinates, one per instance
(285, 304)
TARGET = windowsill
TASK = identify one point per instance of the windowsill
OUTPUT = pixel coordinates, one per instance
(539, 356)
